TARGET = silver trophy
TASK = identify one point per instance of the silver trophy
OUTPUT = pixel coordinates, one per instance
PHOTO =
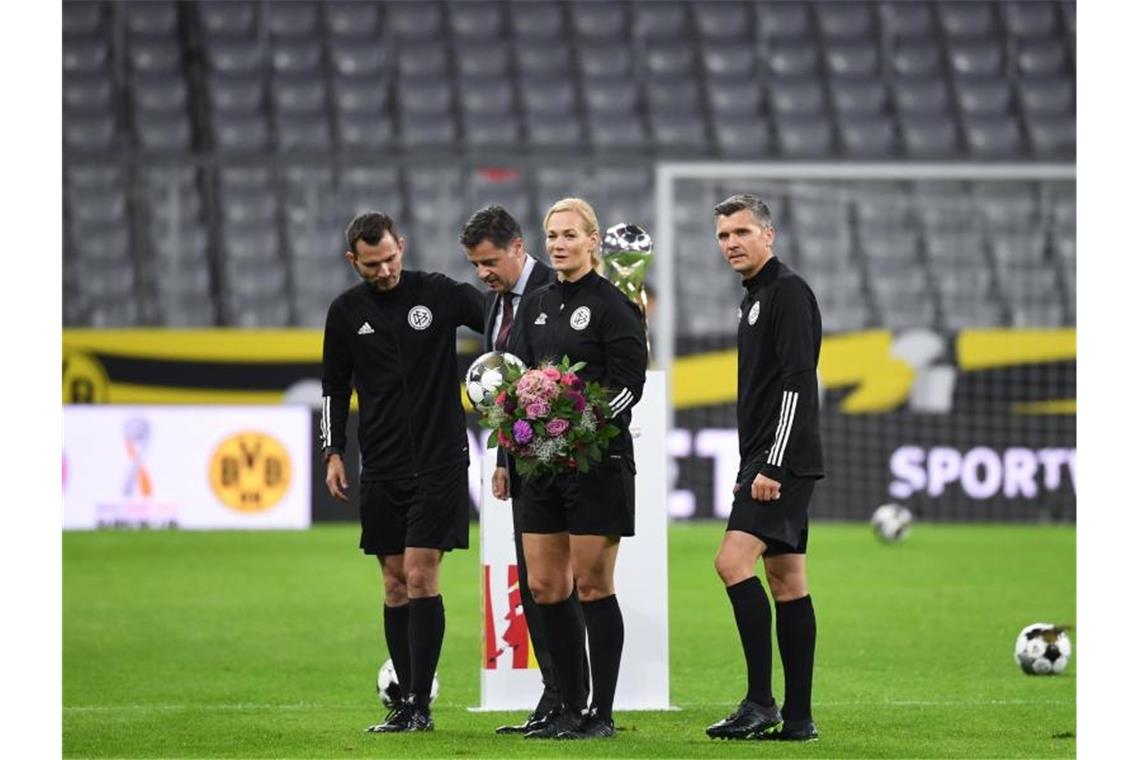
(627, 250)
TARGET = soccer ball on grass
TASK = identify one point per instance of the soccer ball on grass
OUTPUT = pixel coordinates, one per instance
(1042, 649)
(487, 374)
(388, 687)
(891, 522)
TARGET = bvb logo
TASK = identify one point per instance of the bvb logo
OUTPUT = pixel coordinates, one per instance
(250, 472)
(84, 379)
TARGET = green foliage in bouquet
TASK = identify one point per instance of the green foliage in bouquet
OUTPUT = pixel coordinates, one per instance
(549, 420)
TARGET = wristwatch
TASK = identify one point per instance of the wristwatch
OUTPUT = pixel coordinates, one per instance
(329, 451)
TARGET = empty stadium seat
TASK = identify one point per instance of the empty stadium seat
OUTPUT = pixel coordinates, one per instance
(843, 20)
(783, 20)
(983, 96)
(478, 21)
(906, 19)
(291, 18)
(82, 19)
(921, 97)
(168, 132)
(547, 95)
(553, 130)
(961, 20)
(496, 130)
(719, 21)
(345, 19)
(240, 133)
(89, 132)
(1053, 135)
(733, 96)
(741, 136)
(992, 135)
(1037, 57)
(1029, 19)
(610, 132)
(799, 135)
(536, 20)
(155, 55)
(916, 59)
(867, 135)
(1046, 95)
(673, 95)
(680, 131)
(480, 61)
(296, 57)
(796, 96)
(236, 56)
(676, 58)
(424, 95)
(660, 21)
(358, 58)
(485, 95)
(976, 57)
(542, 57)
(614, 97)
(599, 21)
(427, 130)
(851, 59)
(159, 93)
(84, 55)
(236, 94)
(603, 59)
(793, 58)
(149, 18)
(224, 18)
(854, 95)
(298, 95)
(87, 92)
(729, 60)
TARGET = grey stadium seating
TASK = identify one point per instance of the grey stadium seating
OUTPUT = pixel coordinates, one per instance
(302, 89)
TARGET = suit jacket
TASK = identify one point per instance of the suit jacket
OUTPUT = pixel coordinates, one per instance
(539, 276)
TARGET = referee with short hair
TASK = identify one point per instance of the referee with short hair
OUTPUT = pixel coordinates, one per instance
(392, 337)
(778, 341)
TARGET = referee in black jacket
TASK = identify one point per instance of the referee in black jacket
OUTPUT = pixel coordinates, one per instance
(392, 337)
(493, 243)
(778, 340)
(573, 522)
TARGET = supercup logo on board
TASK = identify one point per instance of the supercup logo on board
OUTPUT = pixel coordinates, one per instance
(250, 472)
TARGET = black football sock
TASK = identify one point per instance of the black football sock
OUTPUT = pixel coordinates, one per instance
(607, 636)
(425, 634)
(795, 632)
(754, 622)
(576, 603)
(396, 636)
(566, 639)
(551, 697)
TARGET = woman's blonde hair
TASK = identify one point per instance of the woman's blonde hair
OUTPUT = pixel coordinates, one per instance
(584, 210)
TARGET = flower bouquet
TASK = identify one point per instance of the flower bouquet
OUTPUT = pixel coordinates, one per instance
(549, 420)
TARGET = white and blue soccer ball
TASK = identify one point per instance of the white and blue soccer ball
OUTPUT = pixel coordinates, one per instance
(388, 686)
(1042, 649)
(892, 522)
(487, 374)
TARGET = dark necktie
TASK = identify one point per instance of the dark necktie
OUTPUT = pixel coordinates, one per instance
(505, 326)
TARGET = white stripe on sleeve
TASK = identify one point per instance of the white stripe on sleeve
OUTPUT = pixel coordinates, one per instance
(620, 402)
(779, 429)
(783, 445)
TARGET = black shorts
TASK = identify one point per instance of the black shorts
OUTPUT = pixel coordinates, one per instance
(595, 503)
(429, 511)
(781, 524)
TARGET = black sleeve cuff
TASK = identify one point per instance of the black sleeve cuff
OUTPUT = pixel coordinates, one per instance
(778, 474)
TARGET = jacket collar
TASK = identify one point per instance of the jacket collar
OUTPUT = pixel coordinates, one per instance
(766, 274)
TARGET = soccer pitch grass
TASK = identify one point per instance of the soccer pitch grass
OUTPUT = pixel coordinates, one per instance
(267, 645)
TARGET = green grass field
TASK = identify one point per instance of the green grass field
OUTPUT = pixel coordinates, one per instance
(267, 644)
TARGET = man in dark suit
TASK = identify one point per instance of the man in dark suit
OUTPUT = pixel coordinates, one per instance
(493, 242)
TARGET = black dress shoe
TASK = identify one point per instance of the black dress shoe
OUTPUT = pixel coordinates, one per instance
(562, 721)
(794, 731)
(592, 727)
(534, 721)
(749, 721)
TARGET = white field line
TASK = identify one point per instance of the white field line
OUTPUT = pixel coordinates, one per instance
(691, 705)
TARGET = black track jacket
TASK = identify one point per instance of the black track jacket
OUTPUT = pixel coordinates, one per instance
(589, 320)
(397, 348)
(777, 404)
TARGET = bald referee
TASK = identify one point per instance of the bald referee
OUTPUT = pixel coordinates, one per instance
(778, 340)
